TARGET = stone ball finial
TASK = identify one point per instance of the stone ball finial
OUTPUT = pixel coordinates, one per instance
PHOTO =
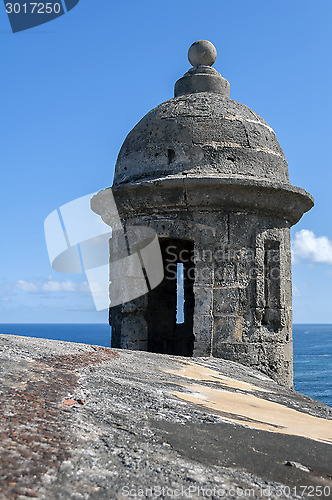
(202, 78)
(202, 52)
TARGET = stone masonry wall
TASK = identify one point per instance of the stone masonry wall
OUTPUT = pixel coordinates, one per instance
(242, 290)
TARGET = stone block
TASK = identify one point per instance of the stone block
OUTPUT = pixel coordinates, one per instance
(202, 328)
(226, 329)
(133, 329)
(230, 300)
(204, 271)
(243, 229)
(139, 304)
(203, 299)
(225, 274)
(225, 301)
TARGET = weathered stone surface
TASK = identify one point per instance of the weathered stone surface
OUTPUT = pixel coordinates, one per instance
(87, 422)
(202, 52)
(208, 195)
(203, 135)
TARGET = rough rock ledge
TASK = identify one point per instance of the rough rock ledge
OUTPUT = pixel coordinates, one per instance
(88, 422)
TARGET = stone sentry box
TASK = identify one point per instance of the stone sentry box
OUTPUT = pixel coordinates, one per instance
(209, 176)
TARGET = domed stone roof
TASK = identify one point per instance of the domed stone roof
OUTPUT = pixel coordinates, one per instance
(202, 151)
(201, 133)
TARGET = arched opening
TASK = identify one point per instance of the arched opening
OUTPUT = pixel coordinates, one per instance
(171, 304)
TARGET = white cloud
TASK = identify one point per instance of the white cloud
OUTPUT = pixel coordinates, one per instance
(307, 246)
(59, 286)
(51, 285)
(26, 286)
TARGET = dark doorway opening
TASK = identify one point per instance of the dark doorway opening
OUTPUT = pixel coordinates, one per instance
(170, 330)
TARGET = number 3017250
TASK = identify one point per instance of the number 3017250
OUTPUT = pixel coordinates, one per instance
(33, 8)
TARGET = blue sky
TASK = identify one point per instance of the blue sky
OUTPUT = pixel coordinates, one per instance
(73, 88)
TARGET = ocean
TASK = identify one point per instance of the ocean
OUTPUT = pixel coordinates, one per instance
(313, 361)
(312, 350)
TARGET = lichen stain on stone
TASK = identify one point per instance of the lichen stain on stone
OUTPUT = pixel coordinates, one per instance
(34, 426)
(69, 361)
(71, 402)
(33, 436)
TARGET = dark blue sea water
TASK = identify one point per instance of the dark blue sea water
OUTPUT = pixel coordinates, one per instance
(97, 334)
(313, 361)
(312, 350)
